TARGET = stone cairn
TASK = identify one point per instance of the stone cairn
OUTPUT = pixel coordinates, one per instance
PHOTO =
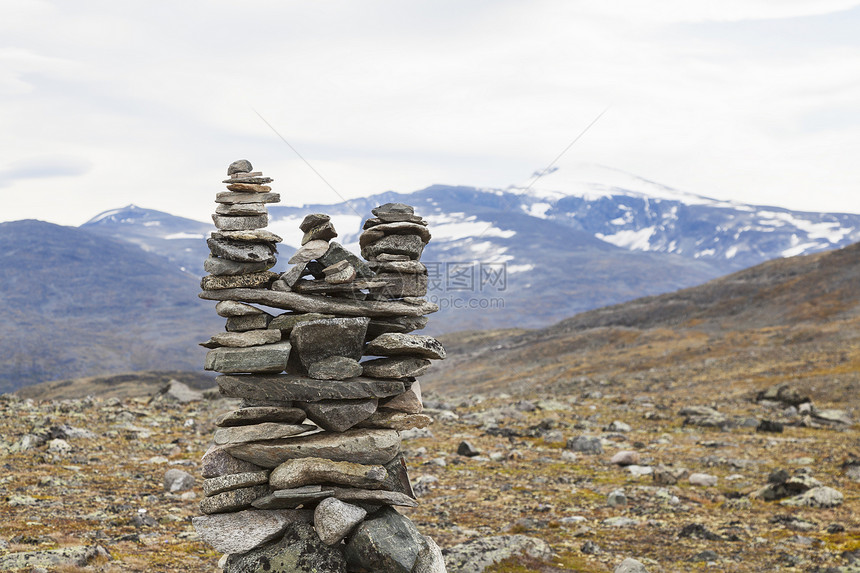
(304, 476)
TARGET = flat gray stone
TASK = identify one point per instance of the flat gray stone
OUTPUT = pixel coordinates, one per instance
(630, 565)
(322, 232)
(324, 286)
(241, 209)
(270, 358)
(413, 345)
(408, 245)
(339, 415)
(398, 367)
(220, 267)
(386, 541)
(242, 531)
(233, 198)
(327, 305)
(228, 308)
(307, 471)
(216, 462)
(316, 340)
(241, 251)
(479, 554)
(288, 387)
(249, 322)
(393, 208)
(291, 498)
(243, 339)
(261, 431)
(239, 166)
(287, 321)
(258, 414)
(308, 252)
(337, 253)
(216, 485)
(395, 324)
(249, 236)
(398, 228)
(232, 500)
(176, 391)
(373, 496)
(820, 497)
(243, 187)
(335, 368)
(409, 402)
(253, 280)
(402, 267)
(393, 420)
(76, 556)
(399, 286)
(313, 220)
(334, 519)
(364, 446)
(176, 480)
(226, 223)
(585, 444)
(298, 551)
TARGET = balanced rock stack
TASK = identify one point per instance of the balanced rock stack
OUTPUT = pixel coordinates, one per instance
(304, 476)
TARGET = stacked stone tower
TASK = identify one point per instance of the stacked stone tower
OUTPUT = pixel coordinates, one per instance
(306, 474)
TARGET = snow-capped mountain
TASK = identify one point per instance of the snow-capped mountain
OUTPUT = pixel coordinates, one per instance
(535, 253)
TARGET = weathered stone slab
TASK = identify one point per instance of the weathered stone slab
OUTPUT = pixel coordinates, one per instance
(397, 477)
(334, 519)
(42, 559)
(395, 324)
(232, 500)
(241, 251)
(335, 368)
(386, 541)
(323, 231)
(326, 287)
(377, 232)
(287, 321)
(288, 387)
(261, 431)
(309, 252)
(359, 446)
(313, 220)
(316, 340)
(226, 223)
(290, 498)
(396, 420)
(400, 285)
(233, 198)
(243, 339)
(409, 245)
(216, 462)
(253, 280)
(326, 305)
(395, 344)
(271, 358)
(339, 415)
(220, 267)
(398, 367)
(228, 308)
(298, 551)
(409, 402)
(248, 322)
(242, 531)
(259, 414)
(402, 267)
(251, 236)
(238, 187)
(337, 253)
(306, 471)
(241, 209)
(216, 485)
(375, 496)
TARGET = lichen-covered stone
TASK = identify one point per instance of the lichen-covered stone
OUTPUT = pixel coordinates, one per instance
(298, 551)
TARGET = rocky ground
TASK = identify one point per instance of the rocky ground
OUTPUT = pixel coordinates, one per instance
(601, 474)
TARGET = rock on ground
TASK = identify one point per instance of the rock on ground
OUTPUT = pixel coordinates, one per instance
(476, 555)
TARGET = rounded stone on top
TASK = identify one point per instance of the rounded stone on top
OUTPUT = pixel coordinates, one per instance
(240, 166)
(313, 220)
(399, 208)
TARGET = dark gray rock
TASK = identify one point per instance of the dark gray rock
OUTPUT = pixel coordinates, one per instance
(233, 198)
(478, 554)
(409, 245)
(241, 251)
(376, 232)
(364, 446)
(239, 166)
(336, 253)
(232, 500)
(249, 236)
(288, 387)
(334, 519)
(240, 187)
(218, 266)
(176, 391)
(261, 431)
(226, 223)
(467, 449)
(393, 420)
(228, 308)
(322, 232)
(258, 414)
(399, 367)
(307, 471)
(341, 276)
(270, 358)
(386, 541)
(402, 267)
(585, 444)
(176, 480)
(784, 394)
(216, 462)
(395, 324)
(253, 280)
(248, 322)
(373, 496)
(430, 558)
(243, 339)
(413, 345)
(254, 178)
(242, 531)
(241, 209)
(313, 220)
(317, 340)
(294, 497)
(393, 208)
(335, 368)
(399, 286)
(397, 477)
(216, 485)
(298, 551)
(287, 321)
(339, 415)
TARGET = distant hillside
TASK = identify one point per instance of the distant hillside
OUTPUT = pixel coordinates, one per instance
(128, 385)
(794, 319)
(74, 304)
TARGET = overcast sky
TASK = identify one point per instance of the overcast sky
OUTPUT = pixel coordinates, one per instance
(108, 103)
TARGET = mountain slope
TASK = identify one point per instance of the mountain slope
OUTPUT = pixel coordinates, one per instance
(73, 303)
